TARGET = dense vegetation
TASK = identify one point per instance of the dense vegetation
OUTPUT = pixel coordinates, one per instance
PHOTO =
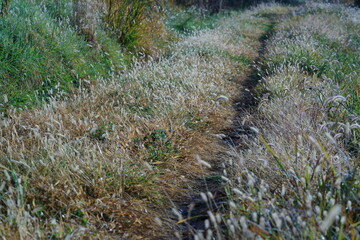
(109, 109)
(105, 156)
(299, 177)
(49, 47)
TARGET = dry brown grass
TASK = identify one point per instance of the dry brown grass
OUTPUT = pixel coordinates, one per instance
(295, 173)
(103, 161)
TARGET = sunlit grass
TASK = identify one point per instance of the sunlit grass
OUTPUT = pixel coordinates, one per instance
(104, 159)
(299, 178)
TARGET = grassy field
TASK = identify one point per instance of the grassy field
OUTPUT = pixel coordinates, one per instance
(298, 175)
(99, 142)
(103, 160)
(42, 54)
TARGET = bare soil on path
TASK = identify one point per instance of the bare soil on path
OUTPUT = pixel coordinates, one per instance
(194, 209)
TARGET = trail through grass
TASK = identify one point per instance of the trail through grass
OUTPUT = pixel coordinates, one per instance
(104, 160)
(294, 172)
(109, 158)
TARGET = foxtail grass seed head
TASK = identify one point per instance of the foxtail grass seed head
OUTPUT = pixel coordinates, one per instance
(243, 223)
(342, 220)
(2, 186)
(210, 195)
(335, 99)
(212, 217)
(338, 136)
(232, 205)
(204, 197)
(148, 166)
(331, 139)
(277, 220)
(255, 217)
(349, 205)
(209, 234)
(207, 224)
(158, 221)
(225, 179)
(199, 236)
(232, 228)
(289, 220)
(221, 98)
(237, 191)
(218, 217)
(283, 190)
(254, 129)
(251, 180)
(177, 214)
(330, 218)
(202, 162)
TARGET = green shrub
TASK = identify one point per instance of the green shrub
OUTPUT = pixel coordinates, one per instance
(136, 24)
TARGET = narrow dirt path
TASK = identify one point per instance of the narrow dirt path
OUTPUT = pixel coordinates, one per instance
(247, 101)
(195, 209)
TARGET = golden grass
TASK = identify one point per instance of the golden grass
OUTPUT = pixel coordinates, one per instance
(295, 176)
(103, 161)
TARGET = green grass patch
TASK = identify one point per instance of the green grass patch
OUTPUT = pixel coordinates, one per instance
(193, 19)
(328, 58)
(42, 56)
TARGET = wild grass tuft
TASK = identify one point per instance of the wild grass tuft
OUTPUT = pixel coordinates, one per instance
(42, 56)
(137, 24)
